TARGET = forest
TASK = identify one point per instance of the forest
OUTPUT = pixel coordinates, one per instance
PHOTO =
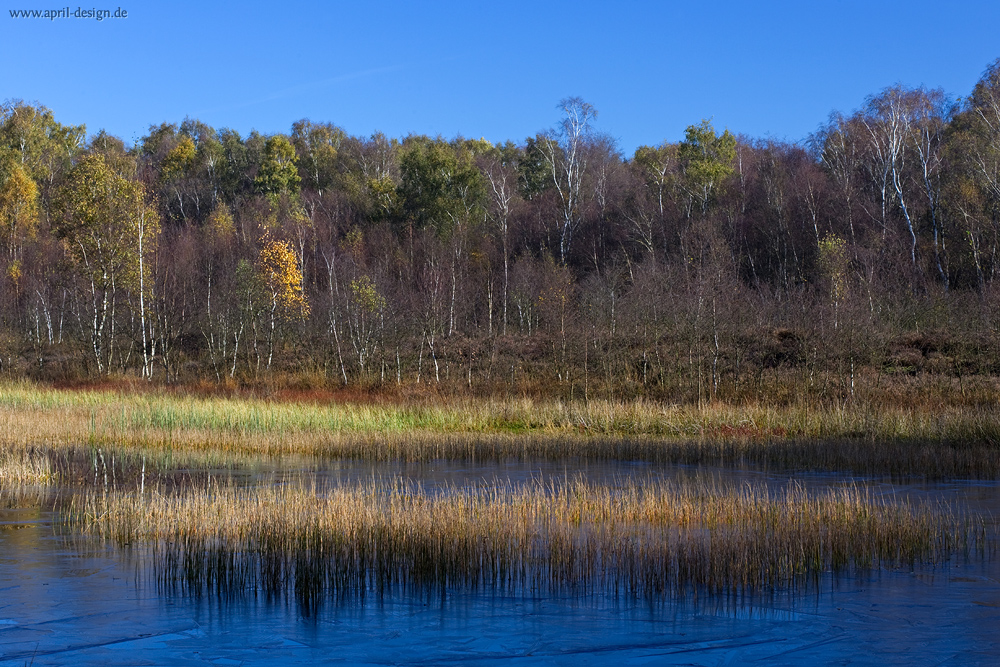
(718, 267)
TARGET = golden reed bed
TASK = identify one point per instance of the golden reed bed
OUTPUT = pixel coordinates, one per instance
(639, 539)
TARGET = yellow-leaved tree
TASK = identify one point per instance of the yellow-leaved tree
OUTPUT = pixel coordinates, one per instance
(282, 277)
(18, 213)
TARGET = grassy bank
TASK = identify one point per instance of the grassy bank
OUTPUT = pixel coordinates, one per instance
(143, 411)
(935, 439)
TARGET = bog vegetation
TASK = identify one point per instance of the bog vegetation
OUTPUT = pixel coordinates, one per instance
(83, 437)
(719, 267)
(174, 476)
(655, 540)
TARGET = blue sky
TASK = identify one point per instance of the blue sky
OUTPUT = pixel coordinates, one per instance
(494, 70)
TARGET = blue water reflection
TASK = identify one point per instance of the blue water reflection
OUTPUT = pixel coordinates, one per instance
(64, 603)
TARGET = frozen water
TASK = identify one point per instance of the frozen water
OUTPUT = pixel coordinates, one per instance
(66, 604)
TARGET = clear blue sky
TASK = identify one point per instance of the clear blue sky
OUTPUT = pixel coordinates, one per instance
(495, 70)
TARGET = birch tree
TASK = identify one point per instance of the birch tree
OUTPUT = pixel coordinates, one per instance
(110, 230)
(565, 154)
(888, 122)
(500, 170)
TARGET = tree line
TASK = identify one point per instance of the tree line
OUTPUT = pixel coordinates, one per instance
(697, 268)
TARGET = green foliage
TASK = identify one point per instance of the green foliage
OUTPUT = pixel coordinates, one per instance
(189, 163)
(706, 160)
(657, 166)
(980, 145)
(159, 140)
(655, 162)
(278, 173)
(383, 195)
(236, 166)
(104, 219)
(180, 159)
(317, 146)
(365, 295)
(441, 186)
(108, 229)
(44, 147)
(697, 262)
(533, 177)
(369, 176)
(113, 150)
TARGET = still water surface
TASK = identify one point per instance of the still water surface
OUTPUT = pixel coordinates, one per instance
(66, 604)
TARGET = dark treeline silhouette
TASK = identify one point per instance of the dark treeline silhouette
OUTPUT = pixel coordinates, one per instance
(692, 270)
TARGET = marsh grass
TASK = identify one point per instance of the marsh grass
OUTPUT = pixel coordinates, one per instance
(930, 439)
(102, 414)
(20, 467)
(658, 539)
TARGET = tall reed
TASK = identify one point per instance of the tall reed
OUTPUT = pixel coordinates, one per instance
(20, 467)
(660, 539)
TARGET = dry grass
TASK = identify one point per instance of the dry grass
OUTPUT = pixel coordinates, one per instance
(662, 539)
(20, 467)
(950, 440)
(103, 415)
(659, 539)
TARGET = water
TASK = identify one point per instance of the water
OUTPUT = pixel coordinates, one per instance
(63, 602)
